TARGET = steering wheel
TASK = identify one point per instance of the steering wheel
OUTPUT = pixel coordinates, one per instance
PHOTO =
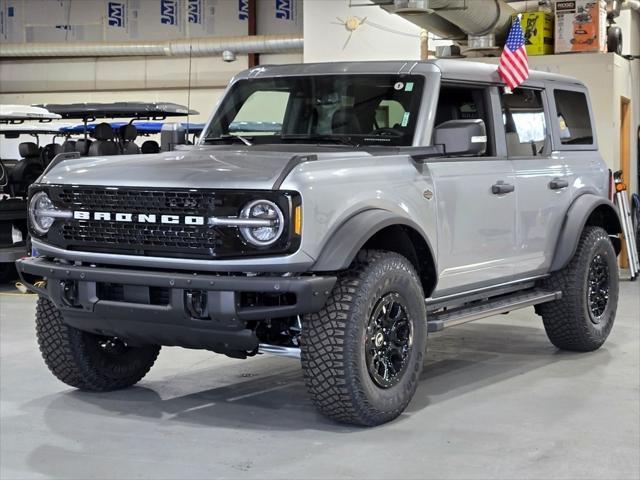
(388, 132)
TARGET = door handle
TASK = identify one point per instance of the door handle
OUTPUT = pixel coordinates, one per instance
(558, 183)
(500, 188)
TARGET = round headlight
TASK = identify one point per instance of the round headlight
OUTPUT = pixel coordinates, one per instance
(267, 225)
(42, 213)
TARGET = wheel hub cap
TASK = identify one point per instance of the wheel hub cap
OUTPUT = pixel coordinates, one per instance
(389, 339)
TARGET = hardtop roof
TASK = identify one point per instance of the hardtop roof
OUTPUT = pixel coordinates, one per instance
(448, 68)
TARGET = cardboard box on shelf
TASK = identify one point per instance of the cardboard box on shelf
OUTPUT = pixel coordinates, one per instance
(581, 26)
(538, 32)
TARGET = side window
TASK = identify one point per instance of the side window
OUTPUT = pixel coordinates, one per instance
(574, 123)
(459, 103)
(524, 123)
(261, 114)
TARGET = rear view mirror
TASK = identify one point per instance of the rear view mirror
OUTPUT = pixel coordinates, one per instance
(461, 137)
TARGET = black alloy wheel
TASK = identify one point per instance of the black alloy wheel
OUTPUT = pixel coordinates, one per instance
(598, 288)
(389, 340)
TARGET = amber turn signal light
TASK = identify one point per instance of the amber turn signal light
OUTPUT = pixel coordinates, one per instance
(297, 220)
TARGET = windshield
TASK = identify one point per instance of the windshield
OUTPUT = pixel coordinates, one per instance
(333, 109)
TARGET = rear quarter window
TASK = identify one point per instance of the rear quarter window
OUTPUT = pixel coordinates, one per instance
(573, 122)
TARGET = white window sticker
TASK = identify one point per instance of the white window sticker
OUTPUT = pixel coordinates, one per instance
(405, 119)
(399, 86)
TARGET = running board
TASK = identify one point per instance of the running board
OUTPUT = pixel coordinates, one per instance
(495, 306)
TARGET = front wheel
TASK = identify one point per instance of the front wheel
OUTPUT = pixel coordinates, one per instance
(362, 354)
(85, 360)
(582, 319)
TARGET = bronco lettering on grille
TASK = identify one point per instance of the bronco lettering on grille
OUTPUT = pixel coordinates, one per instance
(140, 218)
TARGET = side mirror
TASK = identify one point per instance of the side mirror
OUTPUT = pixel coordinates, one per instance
(461, 137)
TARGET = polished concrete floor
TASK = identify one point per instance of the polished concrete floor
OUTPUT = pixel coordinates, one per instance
(496, 400)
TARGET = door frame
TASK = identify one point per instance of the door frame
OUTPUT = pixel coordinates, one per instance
(625, 156)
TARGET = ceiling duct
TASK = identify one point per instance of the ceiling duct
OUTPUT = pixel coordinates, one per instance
(204, 46)
(477, 20)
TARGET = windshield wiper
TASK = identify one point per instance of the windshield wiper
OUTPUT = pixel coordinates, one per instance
(321, 138)
(225, 137)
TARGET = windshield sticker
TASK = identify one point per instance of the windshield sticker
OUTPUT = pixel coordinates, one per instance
(399, 86)
(405, 119)
(408, 87)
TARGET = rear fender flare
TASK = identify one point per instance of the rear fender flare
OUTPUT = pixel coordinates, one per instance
(576, 219)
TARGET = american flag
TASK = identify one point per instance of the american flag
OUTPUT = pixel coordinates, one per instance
(514, 65)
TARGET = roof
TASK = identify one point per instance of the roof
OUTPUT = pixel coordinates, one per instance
(26, 128)
(119, 110)
(25, 112)
(452, 69)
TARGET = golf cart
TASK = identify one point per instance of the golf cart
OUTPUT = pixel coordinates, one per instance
(108, 140)
(25, 151)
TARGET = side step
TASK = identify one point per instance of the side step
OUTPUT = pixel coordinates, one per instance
(494, 306)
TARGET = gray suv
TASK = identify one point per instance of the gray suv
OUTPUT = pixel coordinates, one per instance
(339, 212)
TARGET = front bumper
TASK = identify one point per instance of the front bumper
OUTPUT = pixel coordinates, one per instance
(221, 320)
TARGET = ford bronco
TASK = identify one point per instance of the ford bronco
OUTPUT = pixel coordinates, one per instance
(380, 202)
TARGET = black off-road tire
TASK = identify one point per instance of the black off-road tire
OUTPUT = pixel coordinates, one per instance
(78, 359)
(569, 322)
(333, 342)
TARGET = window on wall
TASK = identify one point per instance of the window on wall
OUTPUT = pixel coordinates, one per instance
(524, 123)
(574, 122)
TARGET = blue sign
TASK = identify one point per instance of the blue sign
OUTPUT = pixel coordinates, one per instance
(284, 9)
(243, 9)
(169, 12)
(115, 14)
(194, 11)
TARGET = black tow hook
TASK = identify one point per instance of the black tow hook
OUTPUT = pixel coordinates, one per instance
(69, 292)
(196, 304)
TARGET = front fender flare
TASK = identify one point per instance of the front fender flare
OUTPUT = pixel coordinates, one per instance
(574, 223)
(345, 243)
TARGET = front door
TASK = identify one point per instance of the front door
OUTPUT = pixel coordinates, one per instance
(475, 201)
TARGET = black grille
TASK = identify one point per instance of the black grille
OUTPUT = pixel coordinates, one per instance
(158, 239)
(136, 200)
(141, 236)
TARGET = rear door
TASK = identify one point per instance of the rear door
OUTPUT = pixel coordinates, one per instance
(542, 186)
(476, 227)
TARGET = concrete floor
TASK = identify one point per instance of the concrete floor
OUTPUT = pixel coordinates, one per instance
(496, 401)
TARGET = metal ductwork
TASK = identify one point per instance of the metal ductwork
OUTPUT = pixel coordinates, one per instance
(631, 5)
(475, 17)
(204, 46)
(455, 19)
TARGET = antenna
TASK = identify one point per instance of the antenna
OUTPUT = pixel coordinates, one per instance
(189, 92)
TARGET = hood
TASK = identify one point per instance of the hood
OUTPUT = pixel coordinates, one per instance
(200, 167)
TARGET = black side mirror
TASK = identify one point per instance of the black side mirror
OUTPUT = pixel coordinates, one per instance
(462, 137)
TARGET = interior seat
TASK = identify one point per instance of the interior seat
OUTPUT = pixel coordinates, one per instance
(150, 146)
(69, 145)
(82, 147)
(26, 170)
(104, 144)
(49, 152)
(344, 121)
(128, 133)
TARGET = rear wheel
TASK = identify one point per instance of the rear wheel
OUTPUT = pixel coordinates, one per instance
(85, 360)
(582, 319)
(362, 354)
